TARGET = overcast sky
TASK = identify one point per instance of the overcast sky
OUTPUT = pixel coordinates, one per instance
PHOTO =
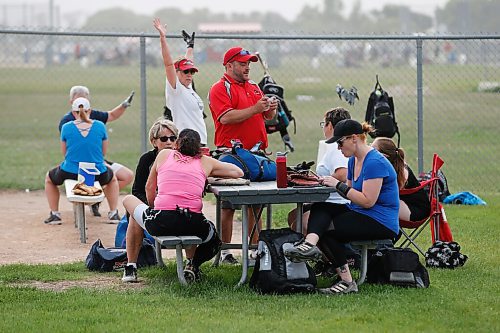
(287, 8)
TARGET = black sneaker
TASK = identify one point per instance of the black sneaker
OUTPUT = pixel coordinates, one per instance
(95, 209)
(53, 219)
(129, 274)
(191, 273)
(229, 259)
(303, 251)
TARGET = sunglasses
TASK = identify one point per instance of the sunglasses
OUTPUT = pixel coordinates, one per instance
(242, 52)
(341, 141)
(189, 71)
(172, 138)
(322, 124)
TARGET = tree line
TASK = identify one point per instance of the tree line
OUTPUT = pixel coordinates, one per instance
(457, 16)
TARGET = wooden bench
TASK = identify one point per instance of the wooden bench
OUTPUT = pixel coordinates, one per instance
(79, 202)
(178, 243)
(364, 246)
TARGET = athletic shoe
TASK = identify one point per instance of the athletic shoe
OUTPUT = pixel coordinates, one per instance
(191, 273)
(229, 259)
(53, 219)
(303, 251)
(113, 217)
(340, 288)
(95, 209)
(129, 274)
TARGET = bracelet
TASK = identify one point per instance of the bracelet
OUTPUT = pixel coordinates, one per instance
(342, 189)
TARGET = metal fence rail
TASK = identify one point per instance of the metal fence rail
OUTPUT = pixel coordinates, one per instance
(445, 88)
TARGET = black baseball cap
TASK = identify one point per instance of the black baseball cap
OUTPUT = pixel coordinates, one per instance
(344, 128)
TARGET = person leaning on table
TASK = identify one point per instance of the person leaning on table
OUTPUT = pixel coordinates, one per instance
(162, 135)
(82, 140)
(371, 187)
(123, 174)
(175, 188)
(239, 109)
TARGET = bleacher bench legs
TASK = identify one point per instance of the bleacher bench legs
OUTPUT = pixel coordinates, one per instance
(178, 243)
(364, 246)
(79, 202)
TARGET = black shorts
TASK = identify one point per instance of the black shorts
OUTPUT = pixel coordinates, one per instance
(176, 223)
(58, 176)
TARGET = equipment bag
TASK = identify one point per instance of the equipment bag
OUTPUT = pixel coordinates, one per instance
(283, 118)
(445, 255)
(273, 272)
(121, 233)
(380, 113)
(397, 266)
(113, 259)
(256, 167)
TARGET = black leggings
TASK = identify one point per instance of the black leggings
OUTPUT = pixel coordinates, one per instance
(348, 226)
(178, 223)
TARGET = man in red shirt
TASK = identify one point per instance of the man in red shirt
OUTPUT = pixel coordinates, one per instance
(239, 109)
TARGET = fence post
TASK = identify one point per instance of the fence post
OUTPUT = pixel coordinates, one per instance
(143, 129)
(420, 107)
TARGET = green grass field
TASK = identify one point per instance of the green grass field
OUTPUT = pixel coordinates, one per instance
(460, 300)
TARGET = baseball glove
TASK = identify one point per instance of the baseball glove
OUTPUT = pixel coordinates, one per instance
(302, 178)
(85, 190)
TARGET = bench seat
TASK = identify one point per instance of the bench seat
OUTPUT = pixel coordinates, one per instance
(364, 246)
(178, 243)
(79, 202)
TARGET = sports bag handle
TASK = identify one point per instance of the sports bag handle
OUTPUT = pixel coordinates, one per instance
(377, 84)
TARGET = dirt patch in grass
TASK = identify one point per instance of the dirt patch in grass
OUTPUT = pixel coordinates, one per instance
(98, 282)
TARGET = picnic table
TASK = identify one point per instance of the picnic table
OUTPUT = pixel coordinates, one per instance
(263, 193)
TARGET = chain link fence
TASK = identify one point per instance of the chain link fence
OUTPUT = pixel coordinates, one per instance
(445, 88)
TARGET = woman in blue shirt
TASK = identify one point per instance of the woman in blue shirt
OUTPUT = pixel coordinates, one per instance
(372, 189)
(82, 140)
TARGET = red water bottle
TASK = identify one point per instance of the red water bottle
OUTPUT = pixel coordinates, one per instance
(281, 177)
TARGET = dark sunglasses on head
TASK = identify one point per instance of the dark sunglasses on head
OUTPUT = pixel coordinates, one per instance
(172, 138)
(189, 71)
(242, 52)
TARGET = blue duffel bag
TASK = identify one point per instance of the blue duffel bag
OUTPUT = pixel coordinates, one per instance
(256, 167)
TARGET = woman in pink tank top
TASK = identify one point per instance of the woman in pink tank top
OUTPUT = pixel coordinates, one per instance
(175, 187)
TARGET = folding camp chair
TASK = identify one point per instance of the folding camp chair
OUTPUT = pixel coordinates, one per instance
(436, 212)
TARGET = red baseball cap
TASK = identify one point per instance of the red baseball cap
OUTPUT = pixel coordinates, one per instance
(185, 64)
(238, 54)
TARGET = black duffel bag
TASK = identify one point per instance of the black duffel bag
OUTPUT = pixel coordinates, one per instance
(397, 266)
(112, 259)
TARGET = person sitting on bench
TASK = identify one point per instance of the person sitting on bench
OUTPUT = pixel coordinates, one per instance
(175, 187)
(82, 140)
(412, 207)
(372, 214)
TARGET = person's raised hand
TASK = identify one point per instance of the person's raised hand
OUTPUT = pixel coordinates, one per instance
(162, 29)
(189, 39)
(128, 101)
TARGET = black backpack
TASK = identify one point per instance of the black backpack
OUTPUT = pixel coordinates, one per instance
(443, 189)
(273, 272)
(380, 113)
